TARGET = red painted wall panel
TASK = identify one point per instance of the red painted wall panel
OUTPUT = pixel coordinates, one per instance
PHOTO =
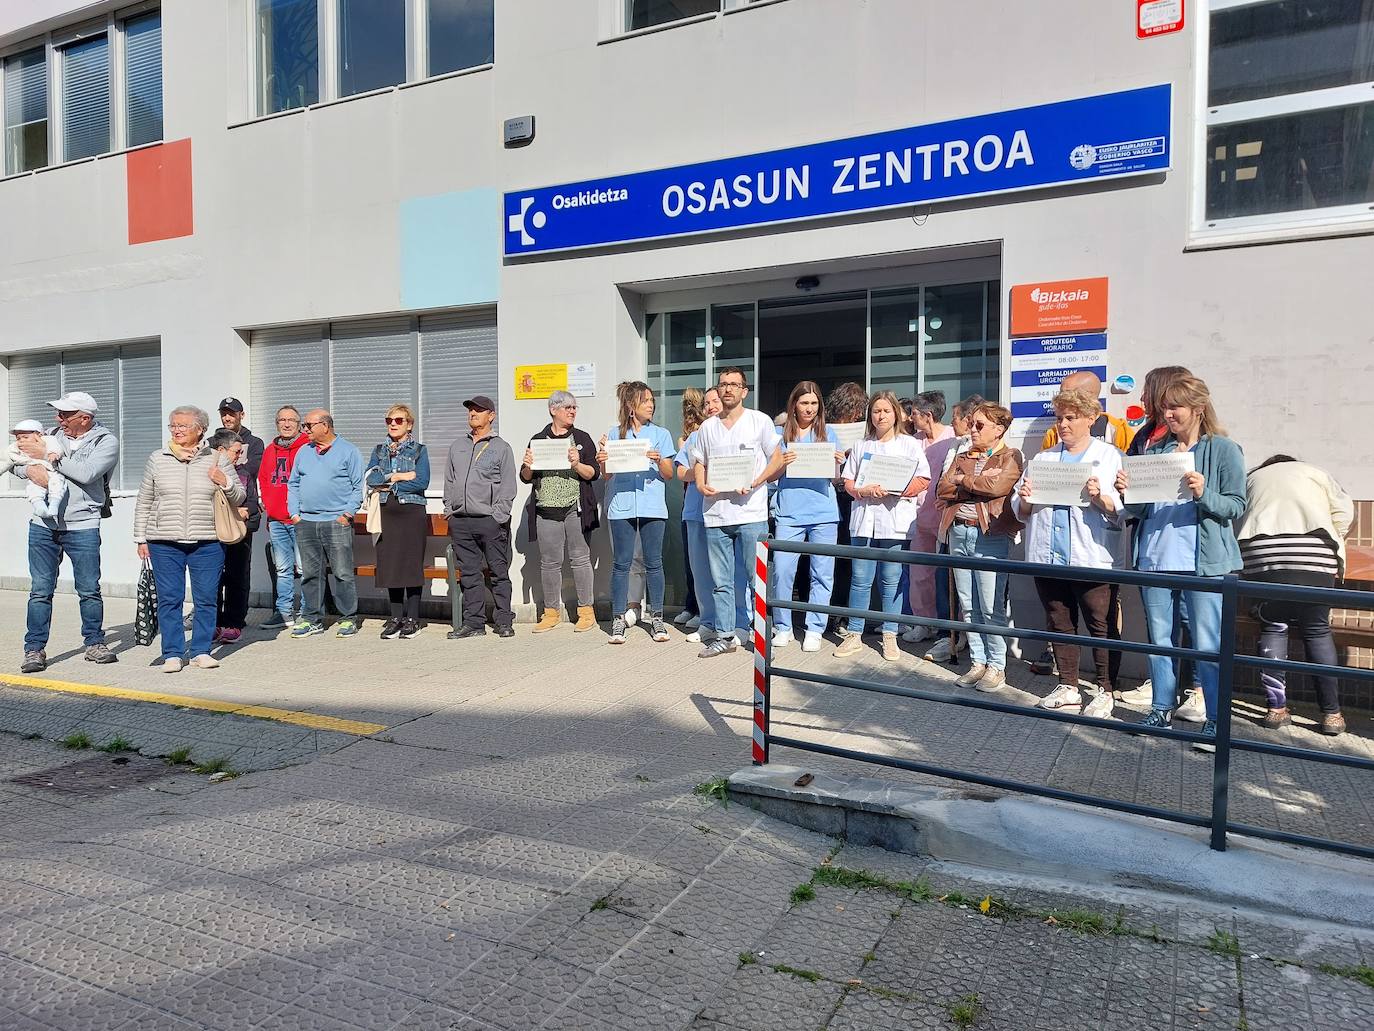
(160, 206)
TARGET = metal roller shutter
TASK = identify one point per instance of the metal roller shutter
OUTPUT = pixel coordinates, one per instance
(457, 360)
(371, 368)
(286, 366)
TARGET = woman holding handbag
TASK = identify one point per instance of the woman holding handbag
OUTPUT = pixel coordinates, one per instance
(397, 477)
(187, 510)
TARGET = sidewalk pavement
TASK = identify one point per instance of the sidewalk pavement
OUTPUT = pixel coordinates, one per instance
(522, 846)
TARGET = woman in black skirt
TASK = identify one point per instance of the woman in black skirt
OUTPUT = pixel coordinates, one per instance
(399, 472)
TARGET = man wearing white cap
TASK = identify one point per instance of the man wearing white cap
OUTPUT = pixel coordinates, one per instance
(86, 454)
(49, 500)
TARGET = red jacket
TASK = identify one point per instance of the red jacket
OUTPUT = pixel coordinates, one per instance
(273, 474)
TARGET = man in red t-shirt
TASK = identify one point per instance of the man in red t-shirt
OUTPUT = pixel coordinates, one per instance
(277, 459)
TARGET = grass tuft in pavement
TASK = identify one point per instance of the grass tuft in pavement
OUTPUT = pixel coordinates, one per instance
(118, 744)
(965, 1012)
(211, 766)
(1223, 943)
(842, 877)
(78, 740)
(717, 788)
(802, 893)
(178, 756)
(805, 975)
(747, 959)
(1363, 974)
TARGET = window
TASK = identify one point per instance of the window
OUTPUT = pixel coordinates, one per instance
(26, 111)
(358, 369)
(288, 50)
(143, 72)
(85, 69)
(461, 34)
(126, 382)
(96, 104)
(1289, 125)
(366, 45)
(644, 14)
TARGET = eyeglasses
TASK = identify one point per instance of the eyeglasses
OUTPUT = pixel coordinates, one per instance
(981, 425)
(307, 425)
(67, 415)
(396, 420)
(180, 428)
(729, 386)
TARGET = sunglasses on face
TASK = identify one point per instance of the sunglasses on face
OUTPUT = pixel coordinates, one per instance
(67, 415)
(396, 420)
(308, 425)
(981, 425)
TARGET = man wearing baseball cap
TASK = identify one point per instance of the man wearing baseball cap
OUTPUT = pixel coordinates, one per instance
(89, 454)
(479, 491)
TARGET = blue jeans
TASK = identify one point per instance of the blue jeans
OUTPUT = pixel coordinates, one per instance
(732, 550)
(699, 559)
(281, 537)
(889, 576)
(1165, 611)
(204, 560)
(982, 596)
(650, 533)
(942, 586)
(822, 573)
(326, 543)
(46, 548)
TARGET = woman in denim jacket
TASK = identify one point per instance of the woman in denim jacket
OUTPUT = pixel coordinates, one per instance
(1194, 535)
(399, 471)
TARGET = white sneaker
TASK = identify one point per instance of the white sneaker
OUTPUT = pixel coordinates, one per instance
(1101, 706)
(694, 637)
(172, 665)
(1062, 697)
(782, 637)
(813, 642)
(1142, 695)
(939, 651)
(1193, 709)
(631, 616)
(692, 623)
(915, 634)
(205, 662)
(743, 637)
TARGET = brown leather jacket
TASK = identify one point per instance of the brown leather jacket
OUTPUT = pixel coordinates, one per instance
(990, 491)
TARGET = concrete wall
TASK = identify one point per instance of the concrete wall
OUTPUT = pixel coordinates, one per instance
(301, 217)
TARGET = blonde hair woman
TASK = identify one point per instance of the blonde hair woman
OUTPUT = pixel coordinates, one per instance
(398, 471)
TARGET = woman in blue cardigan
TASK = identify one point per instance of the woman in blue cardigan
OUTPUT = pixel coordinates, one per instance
(1193, 535)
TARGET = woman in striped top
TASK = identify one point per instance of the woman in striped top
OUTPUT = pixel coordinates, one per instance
(1293, 532)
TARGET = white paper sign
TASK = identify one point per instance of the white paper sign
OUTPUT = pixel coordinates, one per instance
(550, 455)
(731, 472)
(848, 433)
(814, 461)
(891, 472)
(1157, 478)
(627, 456)
(1059, 483)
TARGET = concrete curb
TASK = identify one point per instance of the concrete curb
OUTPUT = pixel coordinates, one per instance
(1044, 838)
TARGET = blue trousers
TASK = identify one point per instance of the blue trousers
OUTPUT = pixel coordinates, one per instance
(732, 550)
(822, 569)
(982, 596)
(650, 533)
(171, 561)
(281, 537)
(889, 577)
(1165, 610)
(699, 562)
(46, 548)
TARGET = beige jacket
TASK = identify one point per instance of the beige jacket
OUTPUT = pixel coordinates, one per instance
(176, 498)
(1296, 498)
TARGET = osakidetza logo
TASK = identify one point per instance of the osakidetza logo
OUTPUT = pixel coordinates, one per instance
(1042, 296)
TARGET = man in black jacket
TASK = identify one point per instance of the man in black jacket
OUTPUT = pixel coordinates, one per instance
(238, 557)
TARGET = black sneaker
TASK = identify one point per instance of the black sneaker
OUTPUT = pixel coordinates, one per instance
(505, 631)
(34, 662)
(409, 628)
(1159, 718)
(467, 631)
(391, 629)
(1209, 729)
(100, 653)
(276, 621)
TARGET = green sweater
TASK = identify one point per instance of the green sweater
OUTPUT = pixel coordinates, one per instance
(1222, 464)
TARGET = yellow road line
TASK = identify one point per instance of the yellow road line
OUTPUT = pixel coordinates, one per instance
(265, 712)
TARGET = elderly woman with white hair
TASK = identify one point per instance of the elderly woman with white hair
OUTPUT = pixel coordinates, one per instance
(562, 513)
(174, 527)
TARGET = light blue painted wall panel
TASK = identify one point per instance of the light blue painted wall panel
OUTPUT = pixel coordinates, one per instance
(451, 249)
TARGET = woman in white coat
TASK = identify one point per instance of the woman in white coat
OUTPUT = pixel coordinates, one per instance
(1087, 535)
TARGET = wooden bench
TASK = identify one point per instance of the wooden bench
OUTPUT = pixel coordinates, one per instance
(438, 529)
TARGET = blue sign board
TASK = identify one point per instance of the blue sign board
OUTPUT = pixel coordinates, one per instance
(1074, 141)
(1038, 364)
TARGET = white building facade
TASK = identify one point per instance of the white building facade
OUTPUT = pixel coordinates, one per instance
(313, 202)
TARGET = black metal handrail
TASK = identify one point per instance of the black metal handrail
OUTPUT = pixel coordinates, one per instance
(1230, 588)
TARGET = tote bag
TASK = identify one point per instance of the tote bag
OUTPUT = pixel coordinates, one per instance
(229, 525)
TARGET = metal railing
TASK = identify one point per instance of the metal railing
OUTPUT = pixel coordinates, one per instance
(1230, 588)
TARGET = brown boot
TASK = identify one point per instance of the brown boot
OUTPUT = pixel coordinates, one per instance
(1276, 718)
(1333, 723)
(586, 618)
(551, 619)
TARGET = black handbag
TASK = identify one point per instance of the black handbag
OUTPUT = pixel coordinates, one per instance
(145, 615)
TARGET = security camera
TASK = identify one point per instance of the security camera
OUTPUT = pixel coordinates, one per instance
(808, 283)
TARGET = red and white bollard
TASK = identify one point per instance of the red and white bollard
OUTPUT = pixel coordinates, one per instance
(761, 643)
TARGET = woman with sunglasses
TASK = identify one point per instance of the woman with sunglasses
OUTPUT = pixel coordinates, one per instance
(979, 522)
(561, 514)
(398, 472)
